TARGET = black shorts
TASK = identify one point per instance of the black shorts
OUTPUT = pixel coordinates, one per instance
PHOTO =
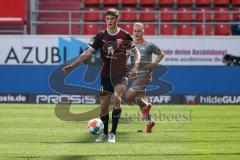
(108, 83)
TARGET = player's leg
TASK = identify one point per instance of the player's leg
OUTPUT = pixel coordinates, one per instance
(130, 96)
(104, 115)
(105, 96)
(119, 91)
(137, 97)
(143, 104)
(146, 114)
(139, 89)
(150, 125)
(134, 95)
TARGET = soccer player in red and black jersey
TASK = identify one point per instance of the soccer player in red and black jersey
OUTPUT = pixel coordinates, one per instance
(114, 44)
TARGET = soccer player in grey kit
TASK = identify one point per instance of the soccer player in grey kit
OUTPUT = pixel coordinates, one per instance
(136, 93)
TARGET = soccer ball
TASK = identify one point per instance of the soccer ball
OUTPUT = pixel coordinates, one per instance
(95, 126)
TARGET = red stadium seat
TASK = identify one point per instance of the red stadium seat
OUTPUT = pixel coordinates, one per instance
(90, 29)
(221, 29)
(14, 17)
(47, 16)
(167, 29)
(203, 2)
(57, 29)
(166, 2)
(203, 12)
(180, 2)
(128, 14)
(129, 2)
(110, 2)
(147, 2)
(184, 29)
(12, 29)
(127, 27)
(184, 14)
(220, 2)
(52, 29)
(60, 5)
(202, 29)
(221, 14)
(91, 2)
(236, 2)
(147, 14)
(149, 29)
(58, 16)
(76, 29)
(76, 16)
(166, 14)
(91, 14)
(236, 13)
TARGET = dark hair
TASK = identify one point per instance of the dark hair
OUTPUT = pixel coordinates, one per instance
(112, 12)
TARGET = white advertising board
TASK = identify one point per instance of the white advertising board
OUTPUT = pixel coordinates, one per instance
(50, 50)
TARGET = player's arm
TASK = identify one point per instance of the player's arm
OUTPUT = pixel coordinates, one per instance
(85, 55)
(137, 58)
(158, 59)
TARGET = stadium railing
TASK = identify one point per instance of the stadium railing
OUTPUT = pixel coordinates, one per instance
(72, 22)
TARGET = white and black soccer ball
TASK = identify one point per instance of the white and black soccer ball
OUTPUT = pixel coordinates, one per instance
(95, 126)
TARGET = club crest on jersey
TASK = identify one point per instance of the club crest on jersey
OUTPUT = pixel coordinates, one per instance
(110, 47)
(125, 45)
(142, 49)
(110, 51)
(119, 41)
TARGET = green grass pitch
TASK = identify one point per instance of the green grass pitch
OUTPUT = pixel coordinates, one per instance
(182, 132)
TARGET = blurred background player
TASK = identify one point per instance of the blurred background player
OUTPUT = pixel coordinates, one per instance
(114, 44)
(136, 92)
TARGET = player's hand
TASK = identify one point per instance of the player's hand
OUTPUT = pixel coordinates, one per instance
(149, 67)
(132, 74)
(67, 69)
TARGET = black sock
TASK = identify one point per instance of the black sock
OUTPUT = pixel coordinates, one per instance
(115, 119)
(105, 122)
(149, 117)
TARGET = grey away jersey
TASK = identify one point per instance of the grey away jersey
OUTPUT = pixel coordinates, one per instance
(146, 50)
